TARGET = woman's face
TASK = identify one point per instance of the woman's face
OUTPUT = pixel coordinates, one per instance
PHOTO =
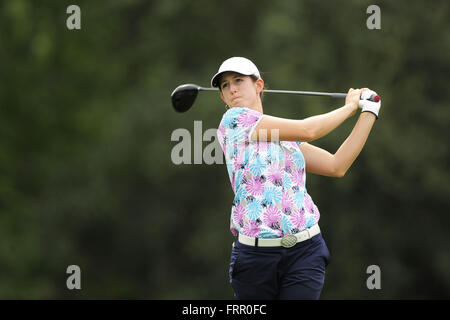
(238, 90)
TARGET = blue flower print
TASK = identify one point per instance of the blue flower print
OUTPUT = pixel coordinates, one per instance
(267, 233)
(310, 222)
(240, 193)
(230, 120)
(257, 166)
(254, 209)
(238, 180)
(286, 224)
(272, 195)
(298, 159)
(298, 197)
(287, 183)
(275, 153)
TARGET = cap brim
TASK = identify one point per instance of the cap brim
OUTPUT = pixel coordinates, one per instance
(216, 78)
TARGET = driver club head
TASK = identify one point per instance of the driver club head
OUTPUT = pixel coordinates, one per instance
(183, 97)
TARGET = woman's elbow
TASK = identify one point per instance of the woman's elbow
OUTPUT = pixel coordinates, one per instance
(338, 168)
(308, 133)
(339, 174)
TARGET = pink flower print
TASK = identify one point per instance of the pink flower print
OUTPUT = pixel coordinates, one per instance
(316, 214)
(247, 119)
(297, 177)
(255, 186)
(232, 229)
(275, 174)
(222, 138)
(309, 205)
(238, 215)
(239, 160)
(288, 162)
(262, 146)
(298, 218)
(251, 228)
(291, 144)
(221, 131)
(286, 203)
(272, 217)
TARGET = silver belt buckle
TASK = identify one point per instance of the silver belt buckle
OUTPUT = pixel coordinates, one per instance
(288, 241)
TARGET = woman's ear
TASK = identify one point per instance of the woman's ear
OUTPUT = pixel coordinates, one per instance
(259, 86)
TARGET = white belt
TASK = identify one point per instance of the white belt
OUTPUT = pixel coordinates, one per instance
(287, 241)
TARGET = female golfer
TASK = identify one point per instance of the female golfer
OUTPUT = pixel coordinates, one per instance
(279, 252)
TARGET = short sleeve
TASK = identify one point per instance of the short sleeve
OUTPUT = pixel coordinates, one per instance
(236, 126)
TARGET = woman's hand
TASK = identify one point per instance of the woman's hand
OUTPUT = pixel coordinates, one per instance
(353, 96)
(369, 105)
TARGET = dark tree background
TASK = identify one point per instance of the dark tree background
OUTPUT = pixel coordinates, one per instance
(86, 175)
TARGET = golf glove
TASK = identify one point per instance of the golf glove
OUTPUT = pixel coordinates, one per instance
(367, 105)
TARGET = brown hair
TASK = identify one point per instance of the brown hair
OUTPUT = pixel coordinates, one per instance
(255, 78)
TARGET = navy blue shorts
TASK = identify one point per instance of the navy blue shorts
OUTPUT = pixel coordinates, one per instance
(268, 273)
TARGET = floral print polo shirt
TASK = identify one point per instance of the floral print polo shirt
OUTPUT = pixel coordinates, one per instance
(268, 179)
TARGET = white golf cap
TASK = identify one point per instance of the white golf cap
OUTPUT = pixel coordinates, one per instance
(237, 64)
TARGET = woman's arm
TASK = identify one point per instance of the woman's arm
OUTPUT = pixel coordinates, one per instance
(322, 162)
(308, 129)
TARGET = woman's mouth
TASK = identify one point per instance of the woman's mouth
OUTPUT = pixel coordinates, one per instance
(233, 101)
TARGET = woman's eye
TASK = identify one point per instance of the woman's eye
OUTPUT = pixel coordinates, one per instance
(224, 85)
(238, 80)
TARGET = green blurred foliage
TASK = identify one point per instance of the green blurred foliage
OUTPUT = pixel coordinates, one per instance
(85, 143)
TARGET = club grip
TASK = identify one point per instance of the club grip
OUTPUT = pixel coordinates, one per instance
(373, 97)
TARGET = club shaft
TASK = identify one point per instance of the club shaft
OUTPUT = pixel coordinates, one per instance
(207, 89)
(308, 93)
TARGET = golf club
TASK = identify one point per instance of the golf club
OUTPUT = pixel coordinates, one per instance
(183, 96)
